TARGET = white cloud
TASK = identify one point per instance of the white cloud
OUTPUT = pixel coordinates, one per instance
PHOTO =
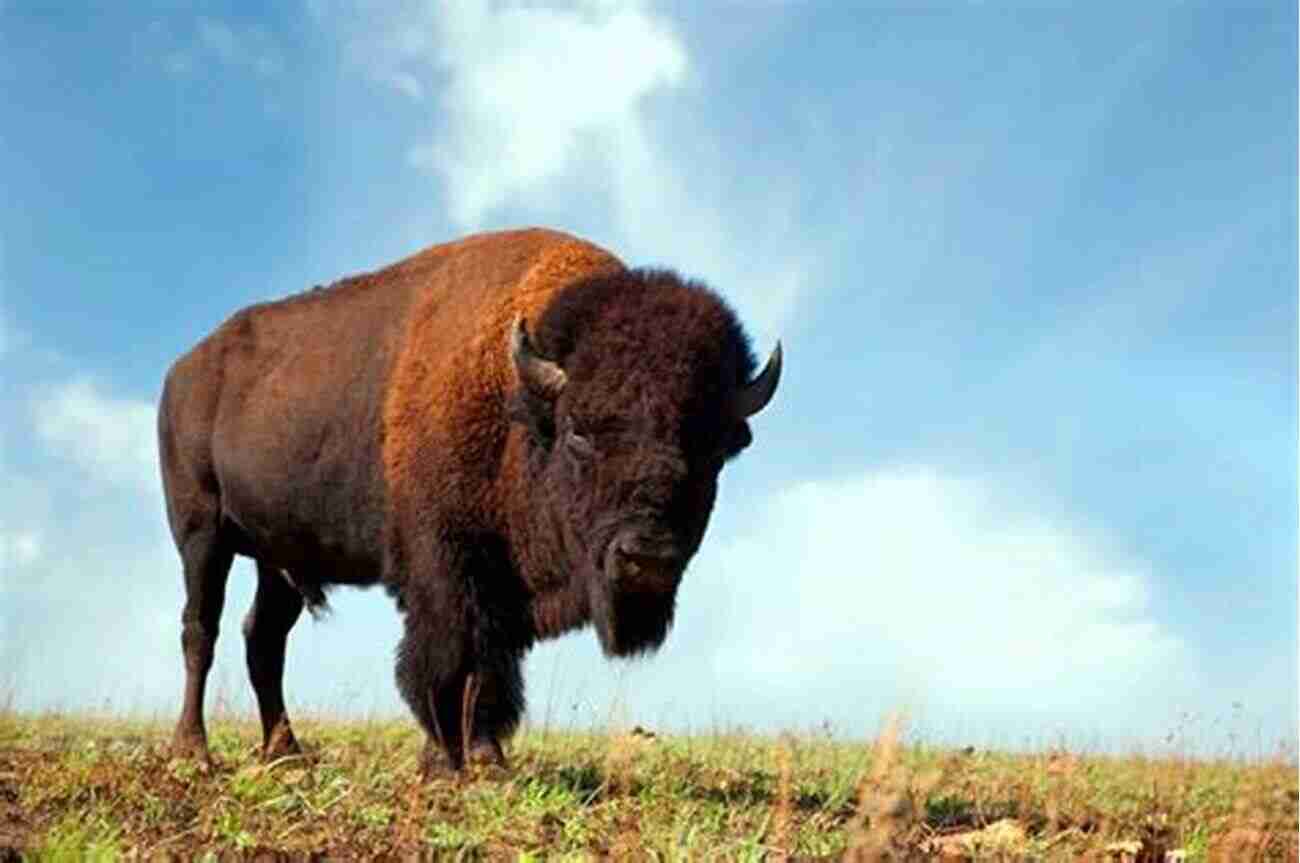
(83, 540)
(545, 110)
(250, 49)
(18, 548)
(526, 84)
(112, 439)
(974, 598)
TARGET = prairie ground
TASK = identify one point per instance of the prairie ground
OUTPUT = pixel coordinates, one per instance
(75, 787)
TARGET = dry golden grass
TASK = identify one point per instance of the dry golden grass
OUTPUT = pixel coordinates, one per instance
(76, 787)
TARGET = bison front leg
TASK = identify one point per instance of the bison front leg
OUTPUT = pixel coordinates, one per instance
(474, 742)
(276, 607)
(457, 731)
(457, 738)
(468, 703)
(444, 748)
(463, 687)
(497, 707)
(478, 740)
(433, 689)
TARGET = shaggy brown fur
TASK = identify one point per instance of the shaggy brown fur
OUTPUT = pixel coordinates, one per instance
(381, 430)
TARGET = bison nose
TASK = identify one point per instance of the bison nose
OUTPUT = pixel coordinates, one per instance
(644, 560)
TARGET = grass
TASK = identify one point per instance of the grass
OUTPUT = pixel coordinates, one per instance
(83, 788)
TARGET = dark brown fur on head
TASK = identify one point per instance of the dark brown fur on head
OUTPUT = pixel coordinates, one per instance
(633, 444)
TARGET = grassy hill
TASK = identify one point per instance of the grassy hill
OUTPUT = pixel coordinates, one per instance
(76, 787)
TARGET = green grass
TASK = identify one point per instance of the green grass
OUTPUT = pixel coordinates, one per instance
(85, 788)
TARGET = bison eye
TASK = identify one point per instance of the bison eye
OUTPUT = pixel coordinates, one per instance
(579, 444)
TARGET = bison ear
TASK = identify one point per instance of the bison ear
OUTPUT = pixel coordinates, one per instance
(539, 375)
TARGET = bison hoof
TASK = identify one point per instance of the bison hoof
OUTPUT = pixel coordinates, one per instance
(191, 747)
(437, 767)
(435, 763)
(277, 749)
(483, 755)
(487, 753)
(281, 744)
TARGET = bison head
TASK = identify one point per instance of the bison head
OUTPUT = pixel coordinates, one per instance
(635, 397)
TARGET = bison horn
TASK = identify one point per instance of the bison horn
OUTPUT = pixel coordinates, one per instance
(754, 396)
(539, 374)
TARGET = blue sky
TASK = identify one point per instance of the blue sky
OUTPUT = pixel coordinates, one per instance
(1032, 469)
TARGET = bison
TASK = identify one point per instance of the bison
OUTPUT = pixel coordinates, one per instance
(515, 434)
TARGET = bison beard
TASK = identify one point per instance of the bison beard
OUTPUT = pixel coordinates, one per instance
(514, 434)
(630, 622)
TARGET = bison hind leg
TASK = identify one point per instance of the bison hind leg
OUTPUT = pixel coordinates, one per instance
(276, 607)
(206, 555)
